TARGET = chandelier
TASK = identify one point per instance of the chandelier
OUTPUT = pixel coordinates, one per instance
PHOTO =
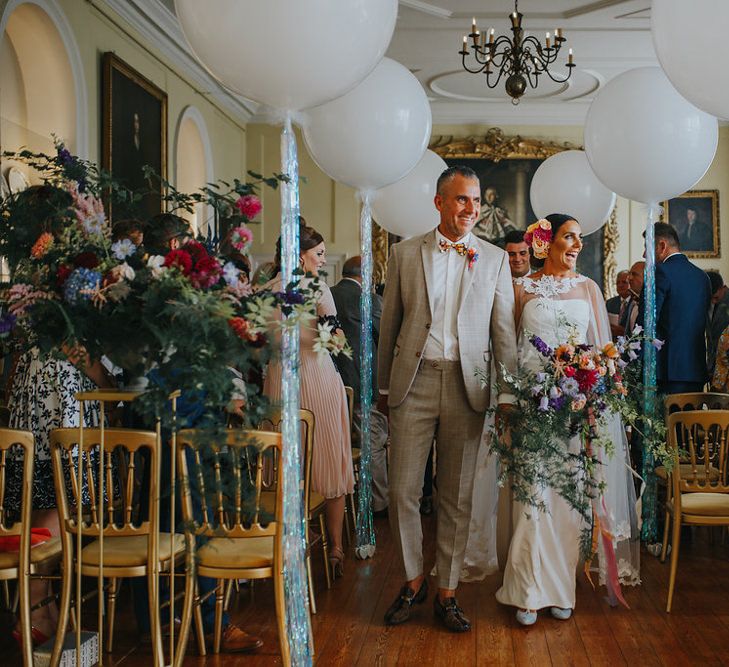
(522, 60)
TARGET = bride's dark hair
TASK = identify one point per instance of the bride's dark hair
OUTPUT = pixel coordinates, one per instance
(557, 220)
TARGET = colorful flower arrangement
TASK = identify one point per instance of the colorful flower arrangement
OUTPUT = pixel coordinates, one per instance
(538, 236)
(572, 397)
(188, 315)
(471, 256)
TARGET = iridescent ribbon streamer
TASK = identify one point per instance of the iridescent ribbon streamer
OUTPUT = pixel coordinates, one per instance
(298, 621)
(649, 530)
(365, 530)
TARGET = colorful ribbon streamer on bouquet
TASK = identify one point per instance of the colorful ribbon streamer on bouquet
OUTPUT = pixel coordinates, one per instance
(298, 621)
(365, 530)
(649, 530)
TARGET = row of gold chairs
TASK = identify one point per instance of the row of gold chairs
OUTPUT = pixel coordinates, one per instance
(231, 513)
(697, 484)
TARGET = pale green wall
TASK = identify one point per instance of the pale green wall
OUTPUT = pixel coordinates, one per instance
(98, 29)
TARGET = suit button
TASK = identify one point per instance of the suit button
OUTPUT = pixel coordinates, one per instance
(427, 325)
(417, 354)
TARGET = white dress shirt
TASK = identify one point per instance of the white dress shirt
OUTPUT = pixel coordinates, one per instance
(445, 298)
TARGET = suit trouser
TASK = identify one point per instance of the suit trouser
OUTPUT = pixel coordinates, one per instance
(435, 407)
(378, 454)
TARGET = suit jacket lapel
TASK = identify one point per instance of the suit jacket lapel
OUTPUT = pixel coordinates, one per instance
(468, 274)
(426, 252)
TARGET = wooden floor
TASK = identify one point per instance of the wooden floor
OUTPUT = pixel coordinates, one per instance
(348, 630)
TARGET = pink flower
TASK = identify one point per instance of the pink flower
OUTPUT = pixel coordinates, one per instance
(241, 238)
(249, 206)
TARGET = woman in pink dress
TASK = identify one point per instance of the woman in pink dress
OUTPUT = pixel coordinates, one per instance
(322, 392)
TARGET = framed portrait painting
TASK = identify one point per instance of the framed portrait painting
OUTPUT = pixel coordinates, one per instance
(505, 166)
(695, 216)
(134, 128)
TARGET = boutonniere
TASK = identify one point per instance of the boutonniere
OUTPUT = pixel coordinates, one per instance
(472, 256)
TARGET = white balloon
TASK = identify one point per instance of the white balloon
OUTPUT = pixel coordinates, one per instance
(565, 183)
(644, 141)
(406, 208)
(288, 54)
(376, 133)
(691, 44)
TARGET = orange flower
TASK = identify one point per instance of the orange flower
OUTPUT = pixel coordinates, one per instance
(42, 245)
(610, 351)
(564, 351)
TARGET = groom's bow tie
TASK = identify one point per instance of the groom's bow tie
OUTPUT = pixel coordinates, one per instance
(460, 248)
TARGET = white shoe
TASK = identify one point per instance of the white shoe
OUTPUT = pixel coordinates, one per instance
(526, 617)
(561, 614)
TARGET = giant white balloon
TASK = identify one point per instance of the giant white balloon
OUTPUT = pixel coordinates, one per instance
(376, 133)
(644, 141)
(691, 43)
(288, 54)
(565, 183)
(406, 208)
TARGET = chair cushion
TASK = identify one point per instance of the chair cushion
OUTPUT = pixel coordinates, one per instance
(316, 502)
(49, 549)
(709, 504)
(686, 472)
(248, 552)
(130, 551)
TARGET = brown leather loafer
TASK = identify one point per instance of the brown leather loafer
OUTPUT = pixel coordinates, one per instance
(451, 615)
(237, 640)
(399, 610)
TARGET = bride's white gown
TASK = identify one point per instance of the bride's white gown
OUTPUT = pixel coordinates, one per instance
(544, 550)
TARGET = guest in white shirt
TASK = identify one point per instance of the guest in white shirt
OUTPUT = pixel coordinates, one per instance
(518, 252)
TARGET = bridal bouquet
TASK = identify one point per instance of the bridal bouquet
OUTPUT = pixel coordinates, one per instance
(189, 315)
(571, 397)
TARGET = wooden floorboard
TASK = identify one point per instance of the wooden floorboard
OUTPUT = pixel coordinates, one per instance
(349, 628)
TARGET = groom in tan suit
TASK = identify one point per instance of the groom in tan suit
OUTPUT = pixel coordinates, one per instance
(449, 302)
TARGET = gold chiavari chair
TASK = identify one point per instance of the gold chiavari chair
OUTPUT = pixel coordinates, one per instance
(241, 539)
(314, 503)
(129, 541)
(26, 563)
(692, 401)
(694, 496)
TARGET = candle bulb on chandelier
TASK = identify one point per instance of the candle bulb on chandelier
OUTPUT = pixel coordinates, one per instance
(570, 59)
(476, 36)
(558, 33)
(465, 45)
(473, 26)
(548, 40)
(491, 36)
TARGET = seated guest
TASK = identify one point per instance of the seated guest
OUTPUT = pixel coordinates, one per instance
(322, 392)
(346, 295)
(683, 296)
(720, 378)
(617, 306)
(165, 232)
(719, 317)
(128, 229)
(518, 252)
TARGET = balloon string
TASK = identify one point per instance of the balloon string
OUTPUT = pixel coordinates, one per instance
(298, 621)
(649, 529)
(365, 531)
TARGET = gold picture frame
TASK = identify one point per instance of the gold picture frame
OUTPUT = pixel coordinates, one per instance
(698, 233)
(134, 134)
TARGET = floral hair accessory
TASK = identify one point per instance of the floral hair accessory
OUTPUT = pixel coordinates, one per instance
(539, 236)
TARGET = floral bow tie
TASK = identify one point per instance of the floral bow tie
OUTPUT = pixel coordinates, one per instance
(462, 249)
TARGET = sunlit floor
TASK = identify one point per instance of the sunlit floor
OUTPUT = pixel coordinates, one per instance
(348, 630)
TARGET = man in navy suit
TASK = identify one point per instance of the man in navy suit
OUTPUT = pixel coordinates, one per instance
(683, 297)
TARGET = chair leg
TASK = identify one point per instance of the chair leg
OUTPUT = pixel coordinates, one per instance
(110, 613)
(353, 505)
(312, 600)
(229, 593)
(345, 533)
(199, 630)
(666, 526)
(187, 607)
(675, 542)
(64, 607)
(25, 624)
(6, 593)
(325, 548)
(278, 591)
(154, 618)
(219, 599)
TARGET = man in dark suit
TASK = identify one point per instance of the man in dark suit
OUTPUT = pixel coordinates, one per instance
(617, 306)
(683, 297)
(346, 295)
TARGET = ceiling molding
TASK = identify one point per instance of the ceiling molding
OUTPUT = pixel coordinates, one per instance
(427, 8)
(160, 27)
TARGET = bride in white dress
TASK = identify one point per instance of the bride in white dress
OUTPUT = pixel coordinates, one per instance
(544, 552)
